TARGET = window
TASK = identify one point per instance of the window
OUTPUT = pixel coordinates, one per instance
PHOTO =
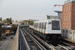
(49, 22)
(64, 18)
(68, 17)
(66, 9)
(69, 8)
(42, 25)
(37, 25)
(34, 24)
(45, 26)
(66, 26)
(55, 25)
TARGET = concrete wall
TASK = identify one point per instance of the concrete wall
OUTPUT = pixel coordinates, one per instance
(69, 34)
(15, 42)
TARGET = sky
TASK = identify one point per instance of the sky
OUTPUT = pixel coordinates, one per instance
(29, 9)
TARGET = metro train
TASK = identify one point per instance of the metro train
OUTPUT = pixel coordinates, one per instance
(49, 30)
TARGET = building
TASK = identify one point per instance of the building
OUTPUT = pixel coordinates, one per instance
(68, 15)
(1, 22)
(59, 16)
(68, 20)
(33, 20)
(52, 17)
(16, 23)
(26, 23)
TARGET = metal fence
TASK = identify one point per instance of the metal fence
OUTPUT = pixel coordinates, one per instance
(68, 34)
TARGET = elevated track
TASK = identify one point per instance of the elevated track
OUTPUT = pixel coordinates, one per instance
(30, 41)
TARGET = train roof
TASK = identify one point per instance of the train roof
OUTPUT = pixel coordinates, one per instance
(48, 20)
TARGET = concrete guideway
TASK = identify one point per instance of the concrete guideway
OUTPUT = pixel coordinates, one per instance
(15, 45)
(15, 41)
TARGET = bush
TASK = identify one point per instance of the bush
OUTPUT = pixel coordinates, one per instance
(0, 30)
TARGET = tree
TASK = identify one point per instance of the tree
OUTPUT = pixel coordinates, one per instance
(8, 20)
(0, 25)
(14, 28)
(30, 22)
(22, 23)
(0, 18)
(0, 30)
(5, 21)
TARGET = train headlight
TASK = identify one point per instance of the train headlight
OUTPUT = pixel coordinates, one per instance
(47, 37)
(58, 37)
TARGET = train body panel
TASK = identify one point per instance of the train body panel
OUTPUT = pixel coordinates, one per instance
(48, 26)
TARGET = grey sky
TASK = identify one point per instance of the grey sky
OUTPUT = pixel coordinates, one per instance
(28, 9)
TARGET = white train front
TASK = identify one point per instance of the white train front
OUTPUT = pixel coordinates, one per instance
(49, 30)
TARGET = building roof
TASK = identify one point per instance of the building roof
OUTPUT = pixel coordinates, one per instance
(58, 11)
(68, 1)
(52, 17)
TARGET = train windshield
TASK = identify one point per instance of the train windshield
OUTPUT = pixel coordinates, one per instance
(55, 25)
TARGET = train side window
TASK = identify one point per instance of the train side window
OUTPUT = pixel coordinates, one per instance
(37, 25)
(42, 25)
(45, 25)
(49, 22)
(34, 24)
